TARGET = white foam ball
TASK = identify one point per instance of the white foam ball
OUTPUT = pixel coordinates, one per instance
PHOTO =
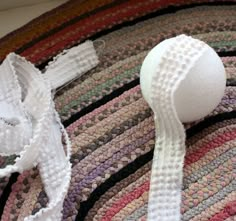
(199, 93)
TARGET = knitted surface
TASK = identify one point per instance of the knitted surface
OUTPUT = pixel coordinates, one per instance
(168, 160)
(111, 126)
(30, 126)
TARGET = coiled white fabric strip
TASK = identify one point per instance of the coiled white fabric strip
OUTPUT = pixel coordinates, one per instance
(30, 126)
(166, 176)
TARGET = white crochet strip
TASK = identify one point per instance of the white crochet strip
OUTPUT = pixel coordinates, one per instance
(71, 64)
(21, 72)
(14, 123)
(166, 176)
(30, 126)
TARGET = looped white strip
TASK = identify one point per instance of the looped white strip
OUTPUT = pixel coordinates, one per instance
(30, 126)
(166, 176)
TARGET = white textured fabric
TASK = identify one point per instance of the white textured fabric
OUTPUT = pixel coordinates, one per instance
(166, 176)
(30, 126)
(77, 61)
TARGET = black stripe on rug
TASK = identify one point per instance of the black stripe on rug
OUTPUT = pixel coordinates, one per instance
(226, 53)
(6, 192)
(159, 12)
(101, 102)
(110, 97)
(231, 82)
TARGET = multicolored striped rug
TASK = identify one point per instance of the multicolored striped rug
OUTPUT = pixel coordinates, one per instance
(111, 126)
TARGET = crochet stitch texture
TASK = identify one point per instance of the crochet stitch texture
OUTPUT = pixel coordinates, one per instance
(166, 176)
(31, 127)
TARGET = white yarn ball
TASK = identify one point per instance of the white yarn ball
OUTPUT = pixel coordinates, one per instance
(199, 93)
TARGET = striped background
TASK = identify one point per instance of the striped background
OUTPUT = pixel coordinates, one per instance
(110, 124)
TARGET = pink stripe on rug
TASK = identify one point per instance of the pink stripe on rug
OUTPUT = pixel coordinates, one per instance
(117, 206)
(218, 141)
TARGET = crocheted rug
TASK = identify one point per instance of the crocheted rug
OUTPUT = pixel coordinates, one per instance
(111, 126)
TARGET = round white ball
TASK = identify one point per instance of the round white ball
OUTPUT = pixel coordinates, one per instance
(199, 93)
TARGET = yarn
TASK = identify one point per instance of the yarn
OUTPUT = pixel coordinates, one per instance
(180, 61)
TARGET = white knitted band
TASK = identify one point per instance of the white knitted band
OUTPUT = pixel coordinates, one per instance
(166, 175)
(71, 64)
(30, 126)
